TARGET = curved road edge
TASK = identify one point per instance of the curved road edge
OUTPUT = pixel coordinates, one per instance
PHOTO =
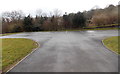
(33, 50)
(107, 47)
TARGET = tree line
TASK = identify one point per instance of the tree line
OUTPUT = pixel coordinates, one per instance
(16, 21)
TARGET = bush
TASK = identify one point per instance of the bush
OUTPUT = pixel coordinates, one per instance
(17, 29)
(79, 20)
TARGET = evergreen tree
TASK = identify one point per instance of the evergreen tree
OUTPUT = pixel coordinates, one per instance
(27, 23)
(79, 20)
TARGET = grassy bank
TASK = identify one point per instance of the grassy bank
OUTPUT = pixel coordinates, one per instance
(112, 43)
(7, 34)
(90, 29)
(102, 29)
(76, 29)
(14, 49)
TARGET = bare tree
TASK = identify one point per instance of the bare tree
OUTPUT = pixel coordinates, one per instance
(44, 14)
(39, 12)
(12, 20)
(0, 24)
(50, 14)
(57, 13)
(14, 15)
(106, 16)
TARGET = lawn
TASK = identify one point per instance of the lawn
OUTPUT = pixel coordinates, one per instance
(112, 43)
(14, 49)
(7, 34)
(103, 29)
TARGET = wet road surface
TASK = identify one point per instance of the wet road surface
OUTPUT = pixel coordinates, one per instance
(73, 51)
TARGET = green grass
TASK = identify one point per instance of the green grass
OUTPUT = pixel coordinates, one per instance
(112, 43)
(7, 34)
(14, 49)
(91, 29)
(101, 26)
(102, 29)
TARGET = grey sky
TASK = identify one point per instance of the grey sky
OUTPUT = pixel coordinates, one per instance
(30, 6)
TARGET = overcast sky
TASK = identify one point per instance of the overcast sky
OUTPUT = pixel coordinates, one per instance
(30, 6)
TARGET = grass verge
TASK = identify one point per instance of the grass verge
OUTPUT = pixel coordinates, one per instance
(103, 29)
(112, 43)
(7, 34)
(14, 49)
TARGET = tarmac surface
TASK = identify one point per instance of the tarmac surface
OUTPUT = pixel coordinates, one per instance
(72, 51)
